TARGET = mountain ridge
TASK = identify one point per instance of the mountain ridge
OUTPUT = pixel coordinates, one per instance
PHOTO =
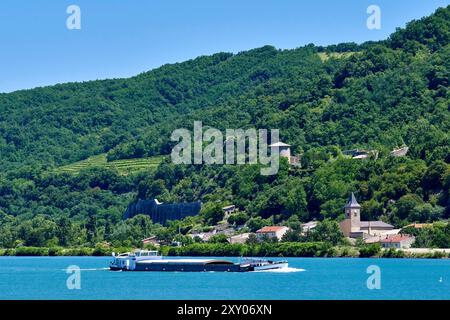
(163, 94)
(377, 95)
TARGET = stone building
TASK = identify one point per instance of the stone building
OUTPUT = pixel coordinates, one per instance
(353, 227)
(284, 150)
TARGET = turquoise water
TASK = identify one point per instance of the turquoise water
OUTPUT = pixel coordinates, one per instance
(307, 278)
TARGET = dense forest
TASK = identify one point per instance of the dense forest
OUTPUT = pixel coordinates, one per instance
(324, 100)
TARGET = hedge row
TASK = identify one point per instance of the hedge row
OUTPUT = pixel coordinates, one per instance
(285, 249)
(59, 251)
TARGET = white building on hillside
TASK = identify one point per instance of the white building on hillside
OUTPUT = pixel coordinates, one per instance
(284, 150)
(399, 241)
(271, 232)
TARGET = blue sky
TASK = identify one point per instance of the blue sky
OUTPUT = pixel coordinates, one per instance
(123, 38)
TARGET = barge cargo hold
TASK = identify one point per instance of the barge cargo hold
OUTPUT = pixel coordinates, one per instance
(151, 261)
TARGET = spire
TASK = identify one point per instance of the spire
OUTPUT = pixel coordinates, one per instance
(352, 203)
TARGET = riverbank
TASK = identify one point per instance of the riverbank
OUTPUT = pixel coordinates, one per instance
(283, 249)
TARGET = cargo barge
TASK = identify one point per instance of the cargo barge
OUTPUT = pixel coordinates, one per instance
(142, 260)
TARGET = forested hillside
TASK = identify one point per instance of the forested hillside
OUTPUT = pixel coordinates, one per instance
(376, 95)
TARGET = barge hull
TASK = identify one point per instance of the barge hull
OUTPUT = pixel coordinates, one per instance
(189, 267)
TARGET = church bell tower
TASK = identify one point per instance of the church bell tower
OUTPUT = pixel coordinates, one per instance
(353, 213)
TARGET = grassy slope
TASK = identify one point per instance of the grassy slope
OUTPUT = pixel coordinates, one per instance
(325, 56)
(124, 167)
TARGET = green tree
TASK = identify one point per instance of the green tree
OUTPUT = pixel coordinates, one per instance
(327, 231)
(212, 213)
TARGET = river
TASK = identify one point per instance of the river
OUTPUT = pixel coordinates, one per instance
(306, 278)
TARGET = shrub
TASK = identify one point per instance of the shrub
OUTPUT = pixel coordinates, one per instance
(218, 238)
(55, 251)
(101, 251)
(285, 249)
(436, 255)
(31, 251)
(369, 250)
(393, 253)
(81, 251)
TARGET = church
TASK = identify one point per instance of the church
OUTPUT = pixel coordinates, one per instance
(353, 227)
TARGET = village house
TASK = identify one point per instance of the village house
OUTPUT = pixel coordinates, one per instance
(150, 240)
(376, 238)
(271, 232)
(204, 236)
(239, 238)
(399, 241)
(219, 229)
(308, 226)
(353, 227)
(361, 154)
(229, 209)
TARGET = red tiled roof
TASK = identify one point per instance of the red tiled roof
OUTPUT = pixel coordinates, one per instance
(396, 238)
(270, 229)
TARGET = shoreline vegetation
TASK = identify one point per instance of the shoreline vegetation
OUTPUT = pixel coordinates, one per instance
(286, 249)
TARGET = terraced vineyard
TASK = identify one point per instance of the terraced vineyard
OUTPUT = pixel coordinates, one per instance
(325, 56)
(124, 167)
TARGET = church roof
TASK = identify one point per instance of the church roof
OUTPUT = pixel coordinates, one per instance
(375, 224)
(352, 203)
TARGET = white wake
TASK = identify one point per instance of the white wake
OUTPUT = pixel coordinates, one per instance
(90, 269)
(283, 270)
